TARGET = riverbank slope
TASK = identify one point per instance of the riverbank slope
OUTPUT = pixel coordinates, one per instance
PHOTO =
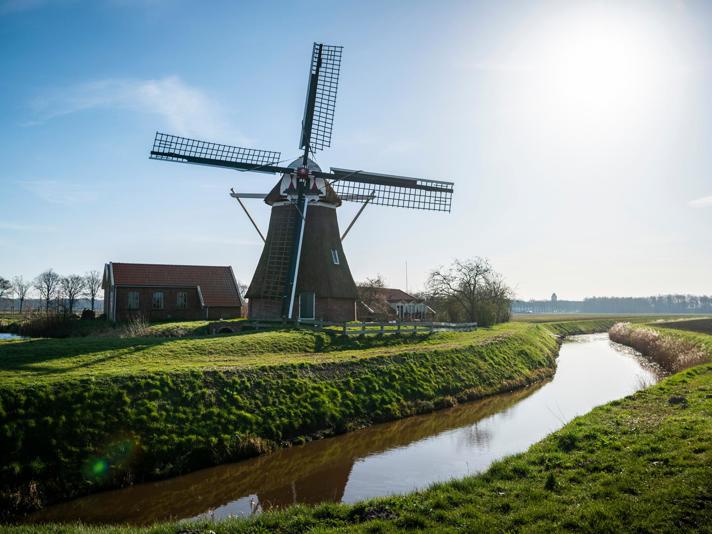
(82, 415)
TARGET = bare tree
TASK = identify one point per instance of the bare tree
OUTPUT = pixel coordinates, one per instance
(471, 290)
(463, 282)
(242, 287)
(370, 293)
(5, 286)
(72, 286)
(500, 295)
(47, 284)
(21, 288)
(92, 285)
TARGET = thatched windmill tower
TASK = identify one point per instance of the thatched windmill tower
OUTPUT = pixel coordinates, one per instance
(302, 272)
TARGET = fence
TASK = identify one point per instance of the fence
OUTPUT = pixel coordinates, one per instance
(346, 329)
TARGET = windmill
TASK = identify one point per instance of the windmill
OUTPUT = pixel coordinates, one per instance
(302, 272)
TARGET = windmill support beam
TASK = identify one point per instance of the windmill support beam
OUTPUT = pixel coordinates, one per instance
(358, 214)
(237, 196)
(298, 255)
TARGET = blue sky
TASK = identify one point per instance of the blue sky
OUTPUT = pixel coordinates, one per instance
(577, 133)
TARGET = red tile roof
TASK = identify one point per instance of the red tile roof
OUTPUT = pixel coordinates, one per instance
(393, 295)
(217, 284)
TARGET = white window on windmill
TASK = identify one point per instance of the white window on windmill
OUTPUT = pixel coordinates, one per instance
(335, 256)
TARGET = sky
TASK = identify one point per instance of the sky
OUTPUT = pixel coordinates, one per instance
(578, 134)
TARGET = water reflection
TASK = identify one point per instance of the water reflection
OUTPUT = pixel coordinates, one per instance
(391, 458)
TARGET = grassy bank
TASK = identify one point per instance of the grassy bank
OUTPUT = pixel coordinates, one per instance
(60, 326)
(640, 464)
(82, 414)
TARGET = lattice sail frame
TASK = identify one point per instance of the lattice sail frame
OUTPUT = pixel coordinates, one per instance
(174, 148)
(395, 191)
(327, 72)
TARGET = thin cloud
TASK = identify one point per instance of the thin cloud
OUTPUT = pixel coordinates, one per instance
(20, 227)
(704, 202)
(61, 193)
(184, 110)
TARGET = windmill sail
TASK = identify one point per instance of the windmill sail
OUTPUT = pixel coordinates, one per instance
(390, 190)
(173, 148)
(321, 97)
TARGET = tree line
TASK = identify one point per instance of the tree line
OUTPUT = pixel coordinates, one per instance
(660, 304)
(56, 292)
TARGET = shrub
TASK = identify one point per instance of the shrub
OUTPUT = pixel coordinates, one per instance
(47, 325)
(671, 352)
(136, 327)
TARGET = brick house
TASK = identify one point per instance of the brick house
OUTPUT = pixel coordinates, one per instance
(170, 292)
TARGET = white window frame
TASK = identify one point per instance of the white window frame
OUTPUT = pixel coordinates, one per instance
(182, 303)
(163, 300)
(335, 256)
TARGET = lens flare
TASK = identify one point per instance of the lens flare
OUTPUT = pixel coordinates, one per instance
(114, 457)
(100, 467)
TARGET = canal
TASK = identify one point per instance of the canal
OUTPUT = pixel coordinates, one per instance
(385, 459)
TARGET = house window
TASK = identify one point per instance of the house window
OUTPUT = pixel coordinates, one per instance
(133, 300)
(182, 300)
(306, 305)
(157, 303)
(335, 256)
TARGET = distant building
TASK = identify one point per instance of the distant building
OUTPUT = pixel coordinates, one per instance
(385, 304)
(164, 292)
(554, 298)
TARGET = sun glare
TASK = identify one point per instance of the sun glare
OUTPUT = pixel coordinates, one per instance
(598, 64)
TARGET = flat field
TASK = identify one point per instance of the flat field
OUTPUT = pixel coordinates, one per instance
(617, 317)
(702, 326)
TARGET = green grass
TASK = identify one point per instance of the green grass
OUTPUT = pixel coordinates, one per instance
(79, 415)
(82, 414)
(702, 325)
(640, 464)
(37, 361)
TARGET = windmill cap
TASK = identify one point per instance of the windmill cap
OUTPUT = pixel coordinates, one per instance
(311, 165)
